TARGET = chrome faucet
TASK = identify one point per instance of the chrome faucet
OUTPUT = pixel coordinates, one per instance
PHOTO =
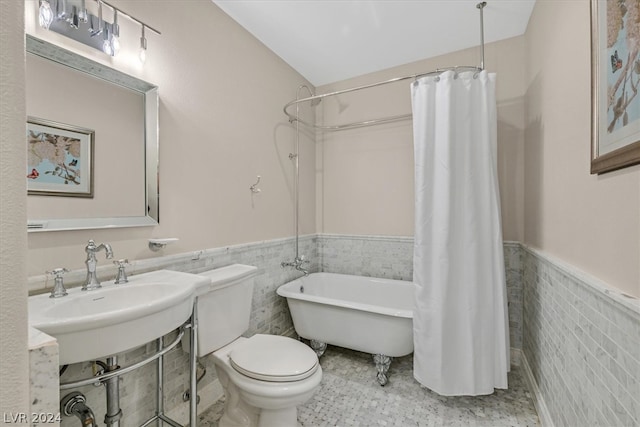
(297, 264)
(91, 249)
(58, 289)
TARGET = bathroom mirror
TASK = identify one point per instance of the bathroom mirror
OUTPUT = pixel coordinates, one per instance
(68, 91)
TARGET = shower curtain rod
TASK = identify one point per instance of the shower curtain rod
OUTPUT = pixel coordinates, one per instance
(457, 68)
(292, 117)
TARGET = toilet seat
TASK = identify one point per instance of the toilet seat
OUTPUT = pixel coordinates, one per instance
(273, 358)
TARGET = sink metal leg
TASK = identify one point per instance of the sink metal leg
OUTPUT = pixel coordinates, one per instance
(193, 369)
(113, 372)
(160, 387)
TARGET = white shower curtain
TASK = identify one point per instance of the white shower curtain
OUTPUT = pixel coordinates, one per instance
(460, 320)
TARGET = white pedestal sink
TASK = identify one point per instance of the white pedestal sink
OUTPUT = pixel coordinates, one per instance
(94, 324)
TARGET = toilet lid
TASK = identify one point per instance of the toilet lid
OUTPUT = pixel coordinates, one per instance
(274, 358)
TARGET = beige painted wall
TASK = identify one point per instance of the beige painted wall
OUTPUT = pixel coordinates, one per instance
(591, 222)
(365, 176)
(221, 97)
(14, 359)
(221, 125)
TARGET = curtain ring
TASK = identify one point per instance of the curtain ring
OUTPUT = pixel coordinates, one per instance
(437, 79)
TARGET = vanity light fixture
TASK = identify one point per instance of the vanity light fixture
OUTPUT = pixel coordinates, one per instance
(72, 19)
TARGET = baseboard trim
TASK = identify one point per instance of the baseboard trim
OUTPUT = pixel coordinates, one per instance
(536, 395)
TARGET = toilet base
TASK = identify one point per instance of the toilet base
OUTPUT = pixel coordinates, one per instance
(257, 403)
(279, 417)
(238, 413)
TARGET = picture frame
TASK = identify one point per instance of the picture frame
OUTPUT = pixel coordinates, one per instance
(59, 159)
(615, 83)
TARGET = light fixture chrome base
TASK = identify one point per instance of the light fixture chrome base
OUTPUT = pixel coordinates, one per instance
(81, 29)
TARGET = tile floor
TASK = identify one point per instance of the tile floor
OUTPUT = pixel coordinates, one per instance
(350, 396)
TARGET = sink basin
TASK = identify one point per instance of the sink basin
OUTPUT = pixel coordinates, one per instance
(94, 324)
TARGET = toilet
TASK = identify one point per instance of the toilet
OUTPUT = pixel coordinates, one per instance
(265, 377)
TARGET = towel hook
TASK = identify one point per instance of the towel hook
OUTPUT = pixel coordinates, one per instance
(254, 188)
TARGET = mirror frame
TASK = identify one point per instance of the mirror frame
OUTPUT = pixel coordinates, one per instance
(149, 92)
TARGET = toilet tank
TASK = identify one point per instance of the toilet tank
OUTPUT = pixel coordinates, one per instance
(224, 306)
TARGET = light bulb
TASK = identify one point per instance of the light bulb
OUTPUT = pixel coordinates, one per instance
(143, 47)
(82, 13)
(107, 46)
(115, 44)
(45, 15)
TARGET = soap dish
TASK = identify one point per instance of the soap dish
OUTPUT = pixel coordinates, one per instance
(156, 244)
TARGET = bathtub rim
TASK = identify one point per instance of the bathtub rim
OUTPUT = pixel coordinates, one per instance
(285, 291)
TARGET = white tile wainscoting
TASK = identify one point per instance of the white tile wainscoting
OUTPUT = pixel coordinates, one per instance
(581, 342)
(579, 339)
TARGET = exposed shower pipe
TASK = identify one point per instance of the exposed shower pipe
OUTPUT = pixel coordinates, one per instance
(298, 260)
(296, 186)
(314, 99)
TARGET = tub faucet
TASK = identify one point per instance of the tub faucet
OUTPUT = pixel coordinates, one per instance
(297, 264)
(91, 249)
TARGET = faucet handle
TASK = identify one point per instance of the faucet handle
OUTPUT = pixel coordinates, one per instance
(58, 287)
(121, 262)
(121, 277)
(58, 272)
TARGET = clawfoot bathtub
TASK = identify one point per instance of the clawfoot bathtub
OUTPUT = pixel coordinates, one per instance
(359, 313)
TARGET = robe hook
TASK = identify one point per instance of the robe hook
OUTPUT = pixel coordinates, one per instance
(254, 188)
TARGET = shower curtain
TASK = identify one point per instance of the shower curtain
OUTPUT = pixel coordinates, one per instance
(460, 321)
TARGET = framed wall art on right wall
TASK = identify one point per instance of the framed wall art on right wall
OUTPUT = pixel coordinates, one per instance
(615, 83)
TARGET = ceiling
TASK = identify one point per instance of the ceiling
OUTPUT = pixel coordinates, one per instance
(332, 40)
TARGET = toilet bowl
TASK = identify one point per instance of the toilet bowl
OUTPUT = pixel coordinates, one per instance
(265, 377)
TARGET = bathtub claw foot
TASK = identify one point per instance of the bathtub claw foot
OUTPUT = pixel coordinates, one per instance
(382, 364)
(318, 347)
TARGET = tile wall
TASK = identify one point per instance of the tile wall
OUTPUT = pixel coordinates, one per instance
(582, 345)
